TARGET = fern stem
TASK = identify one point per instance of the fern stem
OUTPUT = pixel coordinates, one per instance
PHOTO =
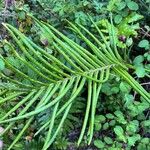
(27, 115)
(134, 84)
(11, 97)
(77, 58)
(92, 46)
(93, 109)
(52, 58)
(2, 92)
(107, 45)
(111, 56)
(73, 96)
(20, 73)
(50, 127)
(71, 99)
(87, 111)
(18, 105)
(67, 58)
(24, 39)
(25, 109)
(53, 119)
(72, 54)
(114, 39)
(87, 55)
(33, 68)
(20, 134)
(16, 82)
(29, 56)
(43, 127)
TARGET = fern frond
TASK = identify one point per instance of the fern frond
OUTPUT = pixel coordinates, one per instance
(55, 79)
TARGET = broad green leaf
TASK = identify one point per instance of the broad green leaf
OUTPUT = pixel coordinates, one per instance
(144, 44)
(108, 140)
(132, 5)
(118, 19)
(109, 116)
(141, 146)
(22, 15)
(134, 17)
(99, 144)
(142, 106)
(120, 133)
(100, 118)
(146, 123)
(120, 117)
(140, 71)
(132, 140)
(138, 60)
(128, 98)
(147, 55)
(145, 140)
(132, 127)
(121, 5)
(98, 126)
(129, 42)
(2, 65)
(111, 4)
(106, 126)
(112, 122)
(114, 90)
(125, 87)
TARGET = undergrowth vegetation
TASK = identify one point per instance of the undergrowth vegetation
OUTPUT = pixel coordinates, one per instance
(75, 75)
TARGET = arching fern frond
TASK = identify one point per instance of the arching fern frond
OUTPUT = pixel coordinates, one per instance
(91, 67)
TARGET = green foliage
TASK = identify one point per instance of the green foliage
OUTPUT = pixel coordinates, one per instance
(80, 77)
(132, 5)
(118, 118)
(2, 65)
(144, 44)
(99, 144)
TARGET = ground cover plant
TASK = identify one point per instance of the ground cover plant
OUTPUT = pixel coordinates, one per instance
(75, 76)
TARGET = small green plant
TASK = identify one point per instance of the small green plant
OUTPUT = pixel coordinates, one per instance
(126, 130)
